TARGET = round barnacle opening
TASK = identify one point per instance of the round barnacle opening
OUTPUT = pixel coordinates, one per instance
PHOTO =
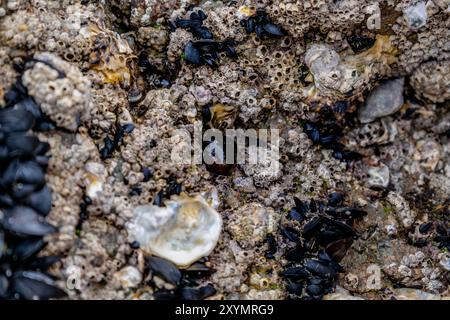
(25, 201)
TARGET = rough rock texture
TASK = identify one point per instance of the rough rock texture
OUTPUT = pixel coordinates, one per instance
(373, 74)
(59, 88)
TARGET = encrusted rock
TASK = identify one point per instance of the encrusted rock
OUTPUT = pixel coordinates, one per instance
(183, 231)
(431, 79)
(405, 215)
(250, 224)
(59, 88)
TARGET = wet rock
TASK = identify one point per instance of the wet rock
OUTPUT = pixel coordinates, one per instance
(383, 101)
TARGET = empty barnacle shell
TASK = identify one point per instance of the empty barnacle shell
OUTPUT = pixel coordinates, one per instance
(95, 178)
(183, 231)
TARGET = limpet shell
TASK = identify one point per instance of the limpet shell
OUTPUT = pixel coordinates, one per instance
(183, 231)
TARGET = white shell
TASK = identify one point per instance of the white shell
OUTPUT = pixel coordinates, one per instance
(183, 231)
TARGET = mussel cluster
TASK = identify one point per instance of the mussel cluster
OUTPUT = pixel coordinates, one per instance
(328, 138)
(205, 50)
(321, 233)
(261, 24)
(194, 25)
(25, 201)
(441, 234)
(110, 145)
(185, 281)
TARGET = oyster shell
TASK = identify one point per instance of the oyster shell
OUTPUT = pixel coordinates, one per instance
(183, 231)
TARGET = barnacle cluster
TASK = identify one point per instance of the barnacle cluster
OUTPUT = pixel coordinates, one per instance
(352, 95)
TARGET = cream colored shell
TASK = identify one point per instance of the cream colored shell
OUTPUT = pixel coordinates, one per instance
(183, 231)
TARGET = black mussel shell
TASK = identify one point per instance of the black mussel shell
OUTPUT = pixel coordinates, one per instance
(33, 285)
(43, 263)
(259, 30)
(314, 290)
(273, 30)
(12, 120)
(312, 227)
(165, 269)
(21, 145)
(23, 172)
(301, 206)
(128, 128)
(201, 293)
(164, 294)
(296, 273)
(335, 199)
(41, 201)
(290, 233)
(183, 23)
(6, 200)
(25, 221)
(296, 255)
(360, 43)
(294, 288)
(192, 54)
(202, 32)
(250, 25)
(28, 248)
(295, 215)
(198, 270)
(338, 249)
(425, 227)
(31, 106)
(320, 268)
(202, 15)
